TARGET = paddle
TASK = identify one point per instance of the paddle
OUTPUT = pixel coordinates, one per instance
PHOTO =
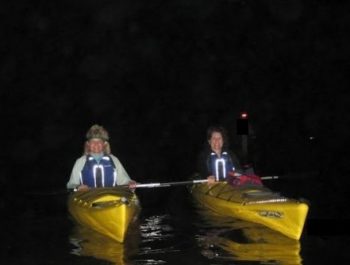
(197, 181)
(269, 177)
(169, 184)
(179, 183)
(138, 185)
(297, 175)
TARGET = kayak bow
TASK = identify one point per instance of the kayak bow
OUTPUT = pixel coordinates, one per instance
(108, 211)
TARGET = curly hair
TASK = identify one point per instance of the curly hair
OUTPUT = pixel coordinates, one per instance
(218, 129)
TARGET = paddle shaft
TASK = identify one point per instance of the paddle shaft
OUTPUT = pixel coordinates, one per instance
(168, 184)
(179, 183)
(269, 177)
(144, 185)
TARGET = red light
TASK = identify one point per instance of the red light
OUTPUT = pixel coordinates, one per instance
(244, 115)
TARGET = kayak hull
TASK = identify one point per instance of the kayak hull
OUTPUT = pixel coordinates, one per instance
(255, 204)
(108, 211)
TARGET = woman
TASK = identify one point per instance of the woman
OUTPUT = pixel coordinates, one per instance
(216, 162)
(98, 167)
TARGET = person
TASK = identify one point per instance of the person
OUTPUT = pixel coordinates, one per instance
(217, 163)
(98, 167)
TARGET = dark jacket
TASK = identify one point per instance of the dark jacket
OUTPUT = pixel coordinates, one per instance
(206, 164)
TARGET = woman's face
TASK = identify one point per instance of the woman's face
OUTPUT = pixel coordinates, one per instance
(216, 141)
(96, 146)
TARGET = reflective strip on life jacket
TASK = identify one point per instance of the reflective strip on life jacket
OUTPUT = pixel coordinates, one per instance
(223, 166)
(102, 173)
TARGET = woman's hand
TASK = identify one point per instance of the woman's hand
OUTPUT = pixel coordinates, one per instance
(83, 188)
(211, 180)
(132, 184)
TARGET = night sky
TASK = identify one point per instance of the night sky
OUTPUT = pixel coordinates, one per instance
(156, 74)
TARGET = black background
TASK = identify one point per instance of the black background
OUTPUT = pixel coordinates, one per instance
(156, 74)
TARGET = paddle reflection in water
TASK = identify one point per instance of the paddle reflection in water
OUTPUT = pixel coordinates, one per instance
(226, 238)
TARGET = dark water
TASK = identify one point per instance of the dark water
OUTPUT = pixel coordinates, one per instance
(169, 231)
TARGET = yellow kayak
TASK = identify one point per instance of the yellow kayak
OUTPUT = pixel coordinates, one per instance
(255, 204)
(108, 211)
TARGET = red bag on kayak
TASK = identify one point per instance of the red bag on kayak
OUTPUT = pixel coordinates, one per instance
(245, 180)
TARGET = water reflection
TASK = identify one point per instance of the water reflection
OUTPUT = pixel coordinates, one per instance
(150, 241)
(87, 242)
(160, 239)
(231, 239)
(155, 228)
(157, 240)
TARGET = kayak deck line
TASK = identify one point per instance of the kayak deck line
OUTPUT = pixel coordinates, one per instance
(260, 194)
(265, 201)
(249, 194)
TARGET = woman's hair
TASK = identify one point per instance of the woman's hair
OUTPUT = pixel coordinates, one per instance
(220, 130)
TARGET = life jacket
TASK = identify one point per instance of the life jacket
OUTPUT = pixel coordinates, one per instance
(220, 167)
(99, 174)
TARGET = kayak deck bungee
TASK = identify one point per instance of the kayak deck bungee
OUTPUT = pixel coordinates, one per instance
(108, 211)
(256, 204)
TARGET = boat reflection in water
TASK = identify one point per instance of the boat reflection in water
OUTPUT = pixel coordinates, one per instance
(89, 243)
(232, 239)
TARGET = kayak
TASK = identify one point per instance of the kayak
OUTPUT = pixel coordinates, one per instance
(108, 211)
(254, 203)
